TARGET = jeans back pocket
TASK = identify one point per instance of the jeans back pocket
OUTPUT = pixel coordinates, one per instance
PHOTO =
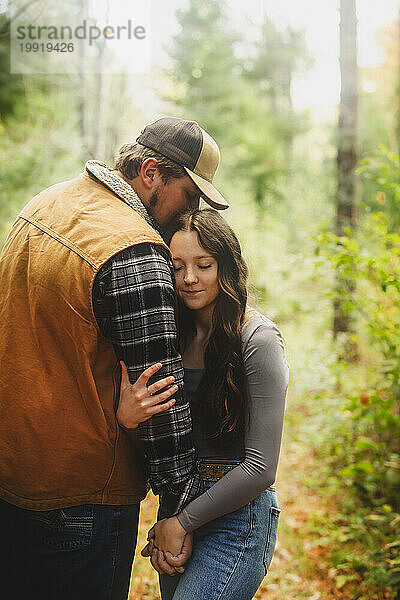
(272, 534)
(62, 529)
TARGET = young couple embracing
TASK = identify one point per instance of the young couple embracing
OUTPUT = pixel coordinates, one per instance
(129, 358)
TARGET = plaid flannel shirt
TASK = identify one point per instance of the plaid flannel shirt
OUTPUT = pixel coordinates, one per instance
(134, 304)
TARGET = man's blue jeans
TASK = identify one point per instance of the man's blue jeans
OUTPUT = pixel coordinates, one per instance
(77, 553)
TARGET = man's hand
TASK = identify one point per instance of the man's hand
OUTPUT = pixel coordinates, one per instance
(170, 546)
(168, 535)
(170, 566)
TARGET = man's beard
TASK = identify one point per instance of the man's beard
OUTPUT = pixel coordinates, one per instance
(167, 228)
(153, 201)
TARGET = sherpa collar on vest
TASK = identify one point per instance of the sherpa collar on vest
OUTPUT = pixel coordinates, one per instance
(116, 184)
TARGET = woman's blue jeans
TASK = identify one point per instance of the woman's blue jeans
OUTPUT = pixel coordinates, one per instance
(231, 555)
(76, 553)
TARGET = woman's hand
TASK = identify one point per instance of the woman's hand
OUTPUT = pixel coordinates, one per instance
(137, 402)
(168, 536)
(170, 546)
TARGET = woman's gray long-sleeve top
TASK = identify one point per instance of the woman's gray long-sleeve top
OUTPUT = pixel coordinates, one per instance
(268, 375)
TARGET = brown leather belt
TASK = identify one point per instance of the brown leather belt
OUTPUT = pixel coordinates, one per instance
(214, 470)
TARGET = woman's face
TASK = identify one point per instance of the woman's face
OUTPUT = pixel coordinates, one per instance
(196, 271)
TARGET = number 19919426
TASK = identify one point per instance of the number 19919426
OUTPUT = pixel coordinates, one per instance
(46, 47)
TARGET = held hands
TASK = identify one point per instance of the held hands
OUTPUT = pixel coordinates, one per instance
(168, 540)
(169, 547)
(137, 402)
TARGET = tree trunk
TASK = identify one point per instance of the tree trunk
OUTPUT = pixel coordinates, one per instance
(83, 110)
(346, 215)
(398, 83)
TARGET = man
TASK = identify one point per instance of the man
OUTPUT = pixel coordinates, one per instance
(86, 281)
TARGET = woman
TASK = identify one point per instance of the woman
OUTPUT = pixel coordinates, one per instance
(236, 377)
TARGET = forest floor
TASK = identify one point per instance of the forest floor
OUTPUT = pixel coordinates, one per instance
(300, 568)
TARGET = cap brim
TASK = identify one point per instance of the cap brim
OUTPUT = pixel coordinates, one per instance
(209, 193)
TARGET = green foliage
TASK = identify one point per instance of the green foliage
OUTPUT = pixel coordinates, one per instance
(12, 91)
(366, 548)
(38, 146)
(365, 454)
(278, 56)
(383, 170)
(205, 68)
(239, 92)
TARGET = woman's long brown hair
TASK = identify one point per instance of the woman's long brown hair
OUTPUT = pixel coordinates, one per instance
(222, 398)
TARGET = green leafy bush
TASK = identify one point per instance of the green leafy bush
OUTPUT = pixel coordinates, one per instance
(366, 462)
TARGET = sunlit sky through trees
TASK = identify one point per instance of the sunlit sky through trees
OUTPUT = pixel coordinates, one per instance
(316, 88)
(319, 87)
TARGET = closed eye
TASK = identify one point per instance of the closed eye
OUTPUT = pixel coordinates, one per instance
(177, 269)
(204, 266)
(193, 200)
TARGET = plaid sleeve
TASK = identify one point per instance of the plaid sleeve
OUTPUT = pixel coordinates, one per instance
(134, 303)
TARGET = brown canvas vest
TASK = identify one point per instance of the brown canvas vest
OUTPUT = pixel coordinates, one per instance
(60, 444)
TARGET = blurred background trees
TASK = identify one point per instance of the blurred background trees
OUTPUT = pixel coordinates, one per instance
(347, 158)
